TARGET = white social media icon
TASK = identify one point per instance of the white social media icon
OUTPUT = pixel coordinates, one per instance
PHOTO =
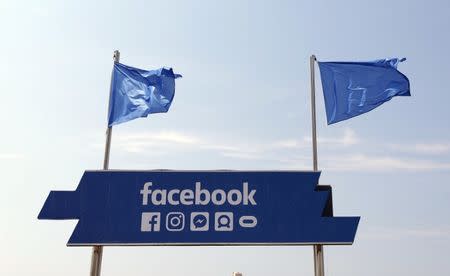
(223, 221)
(175, 221)
(248, 221)
(199, 221)
(150, 222)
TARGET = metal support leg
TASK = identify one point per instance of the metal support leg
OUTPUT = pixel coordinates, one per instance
(97, 250)
(96, 260)
(319, 266)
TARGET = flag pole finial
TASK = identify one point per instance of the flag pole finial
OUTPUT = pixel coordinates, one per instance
(116, 56)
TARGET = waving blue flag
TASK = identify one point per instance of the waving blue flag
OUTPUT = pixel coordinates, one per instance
(136, 93)
(353, 88)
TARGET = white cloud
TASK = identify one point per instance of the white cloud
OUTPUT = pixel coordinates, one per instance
(171, 140)
(10, 156)
(167, 140)
(241, 155)
(289, 153)
(348, 139)
(138, 142)
(380, 163)
(385, 233)
(362, 162)
(423, 148)
(162, 137)
(292, 144)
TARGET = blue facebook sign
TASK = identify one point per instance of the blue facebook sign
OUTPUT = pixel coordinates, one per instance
(200, 208)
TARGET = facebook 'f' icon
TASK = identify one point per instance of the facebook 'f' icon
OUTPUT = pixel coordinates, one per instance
(150, 222)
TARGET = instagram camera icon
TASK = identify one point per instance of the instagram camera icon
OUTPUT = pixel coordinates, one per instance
(175, 221)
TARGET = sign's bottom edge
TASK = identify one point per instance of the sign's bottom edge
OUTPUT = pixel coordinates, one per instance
(209, 244)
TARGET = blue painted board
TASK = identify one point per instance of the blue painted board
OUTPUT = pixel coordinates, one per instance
(199, 208)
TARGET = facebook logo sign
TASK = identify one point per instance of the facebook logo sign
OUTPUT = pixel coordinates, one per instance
(151, 222)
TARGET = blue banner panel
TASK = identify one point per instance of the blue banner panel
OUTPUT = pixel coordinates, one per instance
(199, 208)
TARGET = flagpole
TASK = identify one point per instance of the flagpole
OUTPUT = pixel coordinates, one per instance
(97, 250)
(319, 267)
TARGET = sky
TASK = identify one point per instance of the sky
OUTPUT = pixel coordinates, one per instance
(243, 103)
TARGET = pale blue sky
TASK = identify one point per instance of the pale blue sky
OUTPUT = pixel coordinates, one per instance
(243, 103)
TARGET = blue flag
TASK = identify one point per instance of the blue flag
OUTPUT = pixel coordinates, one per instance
(353, 88)
(136, 93)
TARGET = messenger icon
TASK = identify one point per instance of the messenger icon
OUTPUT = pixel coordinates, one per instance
(199, 221)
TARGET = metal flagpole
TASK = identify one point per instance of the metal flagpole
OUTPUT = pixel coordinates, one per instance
(97, 250)
(319, 267)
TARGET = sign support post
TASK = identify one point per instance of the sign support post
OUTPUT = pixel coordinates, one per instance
(319, 267)
(97, 250)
